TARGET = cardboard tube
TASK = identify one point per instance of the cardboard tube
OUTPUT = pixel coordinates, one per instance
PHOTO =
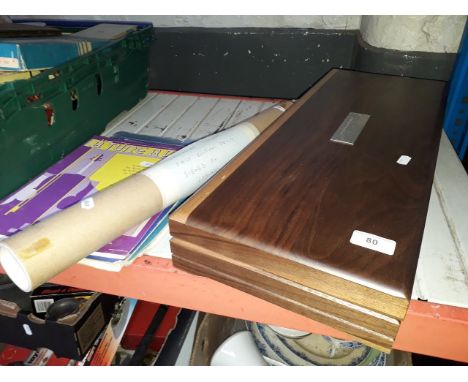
(41, 251)
(45, 249)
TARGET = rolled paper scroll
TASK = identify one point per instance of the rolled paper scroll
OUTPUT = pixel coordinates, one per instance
(41, 251)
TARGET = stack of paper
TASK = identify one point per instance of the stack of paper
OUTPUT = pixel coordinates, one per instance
(92, 167)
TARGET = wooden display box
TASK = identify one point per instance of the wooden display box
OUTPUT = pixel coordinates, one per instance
(324, 213)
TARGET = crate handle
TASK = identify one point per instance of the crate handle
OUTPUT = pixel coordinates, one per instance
(74, 99)
(98, 83)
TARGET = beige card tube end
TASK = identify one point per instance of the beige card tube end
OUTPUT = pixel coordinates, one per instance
(14, 268)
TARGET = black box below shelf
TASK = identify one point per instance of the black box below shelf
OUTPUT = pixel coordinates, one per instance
(68, 337)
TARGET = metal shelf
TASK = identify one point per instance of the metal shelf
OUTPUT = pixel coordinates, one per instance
(436, 326)
(429, 328)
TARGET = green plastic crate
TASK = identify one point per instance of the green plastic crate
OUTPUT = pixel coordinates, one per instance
(44, 118)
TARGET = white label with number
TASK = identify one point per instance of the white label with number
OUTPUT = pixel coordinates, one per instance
(87, 203)
(404, 160)
(373, 242)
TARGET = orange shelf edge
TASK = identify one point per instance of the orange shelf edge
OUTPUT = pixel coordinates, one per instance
(428, 328)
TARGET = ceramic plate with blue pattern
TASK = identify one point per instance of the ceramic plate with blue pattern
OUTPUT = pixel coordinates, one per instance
(312, 349)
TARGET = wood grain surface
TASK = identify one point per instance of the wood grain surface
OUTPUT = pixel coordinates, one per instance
(362, 323)
(309, 277)
(290, 202)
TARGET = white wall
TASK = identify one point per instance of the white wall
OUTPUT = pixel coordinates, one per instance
(319, 22)
(440, 34)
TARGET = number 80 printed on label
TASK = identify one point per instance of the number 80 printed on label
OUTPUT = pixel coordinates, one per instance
(373, 242)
